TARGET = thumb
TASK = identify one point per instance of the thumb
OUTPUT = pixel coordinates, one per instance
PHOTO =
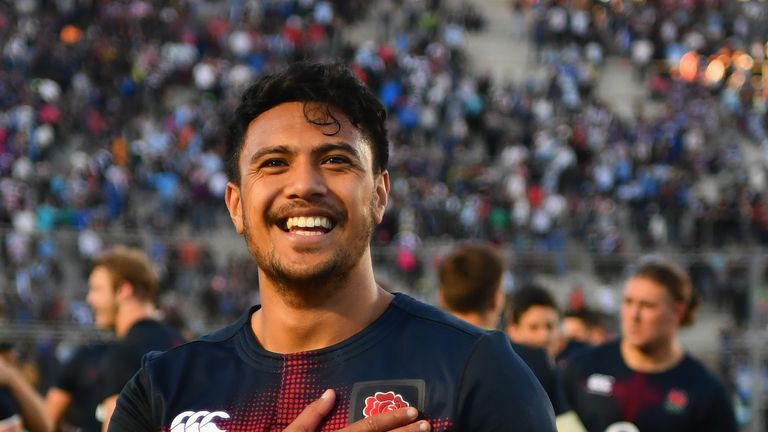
(313, 414)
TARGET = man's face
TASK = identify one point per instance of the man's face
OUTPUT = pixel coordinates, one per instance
(308, 198)
(102, 298)
(649, 315)
(537, 327)
(575, 329)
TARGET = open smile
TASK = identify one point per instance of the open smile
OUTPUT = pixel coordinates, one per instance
(308, 225)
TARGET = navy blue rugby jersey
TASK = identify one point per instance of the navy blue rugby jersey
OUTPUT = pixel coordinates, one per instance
(461, 378)
(80, 377)
(608, 396)
(549, 377)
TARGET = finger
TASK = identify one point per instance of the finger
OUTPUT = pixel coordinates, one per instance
(313, 414)
(401, 420)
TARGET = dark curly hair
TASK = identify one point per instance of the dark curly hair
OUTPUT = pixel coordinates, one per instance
(323, 85)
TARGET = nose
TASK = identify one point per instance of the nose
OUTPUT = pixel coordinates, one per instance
(306, 181)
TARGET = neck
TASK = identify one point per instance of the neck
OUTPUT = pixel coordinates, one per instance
(658, 358)
(130, 313)
(485, 321)
(289, 322)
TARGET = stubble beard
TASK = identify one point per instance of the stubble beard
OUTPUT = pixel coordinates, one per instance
(316, 284)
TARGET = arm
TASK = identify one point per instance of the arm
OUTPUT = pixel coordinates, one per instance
(57, 401)
(498, 391)
(32, 406)
(108, 405)
(132, 411)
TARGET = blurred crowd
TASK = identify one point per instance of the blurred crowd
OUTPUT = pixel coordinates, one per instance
(112, 118)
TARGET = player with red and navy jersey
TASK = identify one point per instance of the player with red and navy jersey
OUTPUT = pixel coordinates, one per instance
(645, 381)
(308, 182)
(459, 378)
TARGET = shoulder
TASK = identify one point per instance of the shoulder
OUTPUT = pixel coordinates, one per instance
(218, 342)
(606, 355)
(697, 373)
(434, 319)
(429, 328)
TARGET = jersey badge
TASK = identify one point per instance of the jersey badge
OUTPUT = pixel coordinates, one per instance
(370, 398)
(200, 421)
(676, 401)
(600, 384)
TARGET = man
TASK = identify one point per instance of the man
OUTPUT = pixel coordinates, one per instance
(308, 182)
(470, 289)
(21, 408)
(122, 292)
(580, 329)
(585, 325)
(645, 381)
(533, 318)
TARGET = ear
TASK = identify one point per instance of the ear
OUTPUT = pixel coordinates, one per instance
(234, 205)
(680, 310)
(382, 194)
(511, 331)
(124, 291)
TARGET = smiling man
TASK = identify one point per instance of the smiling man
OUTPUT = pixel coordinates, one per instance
(328, 348)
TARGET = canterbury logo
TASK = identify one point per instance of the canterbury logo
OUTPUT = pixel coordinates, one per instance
(201, 421)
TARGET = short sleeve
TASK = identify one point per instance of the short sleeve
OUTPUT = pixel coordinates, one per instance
(498, 391)
(122, 362)
(134, 412)
(68, 377)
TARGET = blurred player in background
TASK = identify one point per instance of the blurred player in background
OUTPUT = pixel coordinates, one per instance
(645, 381)
(580, 329)
(75, 394)
(533, 318)
(123, 289)
(470, 279)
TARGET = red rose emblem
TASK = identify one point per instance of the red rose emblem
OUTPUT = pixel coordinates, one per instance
(383, 402)
(677, 400)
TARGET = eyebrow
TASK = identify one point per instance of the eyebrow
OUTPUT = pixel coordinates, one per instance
(319, 150)
(260, 153)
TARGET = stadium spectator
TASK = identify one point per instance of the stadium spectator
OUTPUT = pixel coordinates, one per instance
(308, 158)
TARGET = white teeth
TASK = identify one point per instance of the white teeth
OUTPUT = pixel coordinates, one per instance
(308, 222)
(309, 233)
